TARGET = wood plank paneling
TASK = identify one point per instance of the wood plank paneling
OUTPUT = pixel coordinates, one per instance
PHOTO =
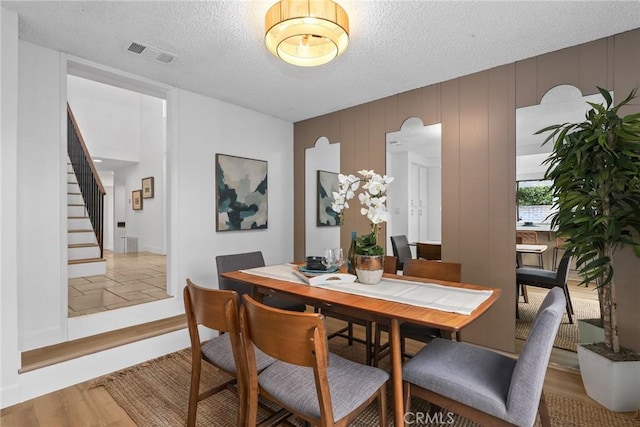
(558, 68)
(526, 83)
(478, 162)
(451, 172)
(594, 68)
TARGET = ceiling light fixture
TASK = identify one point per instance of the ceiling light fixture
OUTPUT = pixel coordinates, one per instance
(306, 32)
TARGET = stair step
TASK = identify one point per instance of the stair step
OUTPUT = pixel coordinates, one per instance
(58, 353)
(75, 204)
(85, 260)
(81, 230)
(77, 217)
(82, 245)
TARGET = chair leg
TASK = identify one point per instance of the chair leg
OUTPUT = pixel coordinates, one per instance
(543, 411)
(570, 311)
(524, 293)
(540, 261)
(382, 406)
(350, 333)
(368, 327)
(194, 391)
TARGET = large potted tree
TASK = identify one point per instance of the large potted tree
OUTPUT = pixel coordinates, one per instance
(595, 169)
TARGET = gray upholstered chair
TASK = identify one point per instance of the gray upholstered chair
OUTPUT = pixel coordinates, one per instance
(547, 279)
(485, 386)
(216, 309)
(401, 249)
(320, 387)
(241, 261)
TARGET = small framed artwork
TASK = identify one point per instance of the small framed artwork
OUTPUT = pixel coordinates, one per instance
(147, 188)
(136, 200)
(241, 190)
(327, 184)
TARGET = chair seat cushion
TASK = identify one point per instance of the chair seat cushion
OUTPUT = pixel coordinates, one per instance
(218, 351)
(536, 277)
(350, 385)
(471, 375)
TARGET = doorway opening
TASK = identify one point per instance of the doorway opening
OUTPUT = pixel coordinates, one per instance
(124, 130)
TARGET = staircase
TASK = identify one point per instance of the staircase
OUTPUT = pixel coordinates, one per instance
(84, 251)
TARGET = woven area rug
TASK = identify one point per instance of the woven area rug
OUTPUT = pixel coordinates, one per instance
(567, 336)
(155, 394)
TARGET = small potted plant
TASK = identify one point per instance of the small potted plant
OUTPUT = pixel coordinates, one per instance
(368, 255)
(595, 169)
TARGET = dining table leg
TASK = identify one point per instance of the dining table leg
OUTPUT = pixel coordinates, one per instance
(396, 372)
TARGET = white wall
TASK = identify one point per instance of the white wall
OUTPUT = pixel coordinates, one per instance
(118, 124)
(324, 156)
(200, 127)
(108, 118)
(205, 127)
(41, 187)
(9, 354)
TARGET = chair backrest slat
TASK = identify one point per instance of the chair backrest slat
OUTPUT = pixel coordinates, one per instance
(429, 251)
(282, 334)
(449, 271)
(390, 264)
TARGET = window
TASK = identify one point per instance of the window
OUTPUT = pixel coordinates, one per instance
(534, 201)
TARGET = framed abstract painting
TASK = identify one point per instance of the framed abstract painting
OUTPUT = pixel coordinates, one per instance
(241, 189)
(327, 184)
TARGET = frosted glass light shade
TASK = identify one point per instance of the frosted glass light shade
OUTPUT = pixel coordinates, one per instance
(306, 32)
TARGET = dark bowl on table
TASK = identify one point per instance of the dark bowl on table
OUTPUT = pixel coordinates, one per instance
(314, 263)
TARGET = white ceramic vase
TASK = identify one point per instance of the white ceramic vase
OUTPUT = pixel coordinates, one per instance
(369, 268)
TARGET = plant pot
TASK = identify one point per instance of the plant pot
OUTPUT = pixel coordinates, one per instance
(369, 268)
(615, 385)
(589, 333)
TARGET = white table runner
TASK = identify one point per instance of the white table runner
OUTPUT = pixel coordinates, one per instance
(428, 295)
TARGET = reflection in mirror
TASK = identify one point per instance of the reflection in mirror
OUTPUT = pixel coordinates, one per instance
(323, 157)
(560, 104)
(413, 159)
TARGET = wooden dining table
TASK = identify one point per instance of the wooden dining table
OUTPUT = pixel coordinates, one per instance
(394, 313)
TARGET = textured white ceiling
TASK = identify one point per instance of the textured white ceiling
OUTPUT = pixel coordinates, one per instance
(395, 46)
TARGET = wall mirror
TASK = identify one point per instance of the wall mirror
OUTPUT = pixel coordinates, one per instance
(414, 160)
(324, 157)
(560, 104)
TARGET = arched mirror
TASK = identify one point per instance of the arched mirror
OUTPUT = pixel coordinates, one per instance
(321, 165)
(560, 104)
(414, 160)
(540, 248)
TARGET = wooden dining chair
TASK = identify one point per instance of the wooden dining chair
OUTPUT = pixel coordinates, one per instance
(482, 385)
(332, 393)
(216, 309)
(429, 251)
(346, 315)
(529, 238)
(448, 271)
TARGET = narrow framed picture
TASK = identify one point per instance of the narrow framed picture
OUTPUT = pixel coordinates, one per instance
(327, 185)
(241, 193)
(147, 188)
(136, 200)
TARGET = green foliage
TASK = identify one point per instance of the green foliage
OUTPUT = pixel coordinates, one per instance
(367, 245)
(534, 196)
(595, 169)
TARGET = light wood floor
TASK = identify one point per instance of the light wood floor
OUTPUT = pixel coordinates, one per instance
(83, 406)
(130, 279)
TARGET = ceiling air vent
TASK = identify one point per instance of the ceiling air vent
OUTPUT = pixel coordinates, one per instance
(151, 53)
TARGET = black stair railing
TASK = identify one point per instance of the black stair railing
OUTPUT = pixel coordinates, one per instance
(88, 179)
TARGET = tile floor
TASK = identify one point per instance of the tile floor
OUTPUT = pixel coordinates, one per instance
(130, 279)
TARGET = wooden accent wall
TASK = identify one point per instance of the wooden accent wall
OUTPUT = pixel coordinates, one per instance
(477, 113)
